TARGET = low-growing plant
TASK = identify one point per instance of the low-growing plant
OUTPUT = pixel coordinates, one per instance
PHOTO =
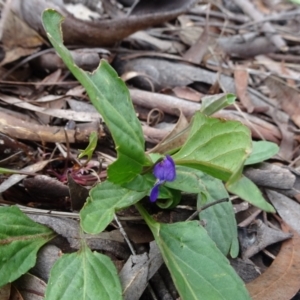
(214, 152)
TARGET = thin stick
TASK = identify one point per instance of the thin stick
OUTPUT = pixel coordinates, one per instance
(198, 211)
(125, 235)
(270, 32)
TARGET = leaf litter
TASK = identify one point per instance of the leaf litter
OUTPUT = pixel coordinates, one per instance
(187, 50)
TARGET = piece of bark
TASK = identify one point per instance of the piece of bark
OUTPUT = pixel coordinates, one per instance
(245, 269)
(101, 32)
(271, 176)
(25, 130)
(70, 229)
(170, 104)
(246, 45)
(288, 209)
(270, 32)
(138, 270)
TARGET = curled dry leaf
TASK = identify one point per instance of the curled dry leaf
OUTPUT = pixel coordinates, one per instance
(102, 32)
(241, 85)
(31, 287)
(281, 280)
(18, 38)
(138, 270)
(175, 138)
(70, 229)
(258, 237)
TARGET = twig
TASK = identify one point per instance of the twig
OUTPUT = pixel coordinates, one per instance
(198, 211)
(249, 9)
(123, 232)
(132, 250)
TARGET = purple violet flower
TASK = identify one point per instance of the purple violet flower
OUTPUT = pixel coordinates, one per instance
(163, 171)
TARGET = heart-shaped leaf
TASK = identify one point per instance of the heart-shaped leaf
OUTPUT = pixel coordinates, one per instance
(84, 275)
(104, 200)
(215, 146)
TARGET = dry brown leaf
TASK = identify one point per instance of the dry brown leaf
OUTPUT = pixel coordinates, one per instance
(287, 97)
(196, 52)
(5, 292)
(17, 37)
(241, 85)
(15, 294)
(187, 93)
(281, 280)
(287, 142)
(189, 33)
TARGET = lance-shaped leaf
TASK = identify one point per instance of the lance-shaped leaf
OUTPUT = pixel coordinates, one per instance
(84, 275)
(199, 270)
(110, 96)
(20, 240)
(248, 191)
(215, 146)
(89, 150)
(104, 200)
(262, 150)
(214, 103)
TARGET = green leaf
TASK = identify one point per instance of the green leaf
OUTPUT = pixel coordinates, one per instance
(110, 96)
(214, 103)
(89, 150)
(20, 240)
(220, 219)
(168, 198)
(261, 151)
(104, 200)
(141, 183)
(221, 226)
(199, 270)
(215, 146)
(248, 191)
(84, 275)
(187, 180)
(220, 222)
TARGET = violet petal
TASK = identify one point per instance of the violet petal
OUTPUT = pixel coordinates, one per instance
(165, 170)
(154, 192)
